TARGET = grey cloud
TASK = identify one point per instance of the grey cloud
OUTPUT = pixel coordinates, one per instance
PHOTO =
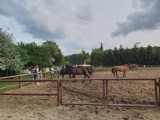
(5, 8)
(41, 32)
(84, 14)
(45, 19)
(147, 18)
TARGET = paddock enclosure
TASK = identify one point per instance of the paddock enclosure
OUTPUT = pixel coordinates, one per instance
(139, 88)
(39, 106)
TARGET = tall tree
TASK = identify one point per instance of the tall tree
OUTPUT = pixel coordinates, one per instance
(96, 58)
(53, 53)
(9, 56)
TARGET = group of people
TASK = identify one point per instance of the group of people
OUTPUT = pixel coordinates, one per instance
(37, 73)
(53, 70)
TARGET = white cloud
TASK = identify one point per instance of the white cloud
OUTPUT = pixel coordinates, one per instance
(77, 25)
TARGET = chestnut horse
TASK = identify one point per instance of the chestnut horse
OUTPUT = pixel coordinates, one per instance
(122, 68)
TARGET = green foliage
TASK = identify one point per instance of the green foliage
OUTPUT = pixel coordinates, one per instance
(80, 58)
(9, 56)
(97, 56)
(44, 55)
(53, 52)
(141, 55)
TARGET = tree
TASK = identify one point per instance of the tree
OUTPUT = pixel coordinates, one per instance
(52, 53)
(44, 55)
(79, 58)
(108, 58)
(96, 57)
(9, 56)
(25, 57)
(33, 53)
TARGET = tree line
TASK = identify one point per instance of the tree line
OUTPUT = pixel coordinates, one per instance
(18, 56)
(118, 56)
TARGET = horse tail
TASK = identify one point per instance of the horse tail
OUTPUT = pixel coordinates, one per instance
(87, 73)
(113, 71)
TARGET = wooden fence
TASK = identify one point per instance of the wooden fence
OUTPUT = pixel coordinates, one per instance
(105, 93)
(21, 77)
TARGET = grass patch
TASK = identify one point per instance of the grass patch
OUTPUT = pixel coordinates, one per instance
(15, 85)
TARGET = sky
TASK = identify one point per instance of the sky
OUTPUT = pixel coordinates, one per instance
(77, 25)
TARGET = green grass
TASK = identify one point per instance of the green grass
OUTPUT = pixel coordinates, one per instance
(4, 84)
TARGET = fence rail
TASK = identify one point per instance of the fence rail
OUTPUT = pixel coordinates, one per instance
(105, 90)
(20, 77)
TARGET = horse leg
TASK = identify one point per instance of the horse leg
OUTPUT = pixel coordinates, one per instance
(84, 78)
(114, 74)
(69, 76)
(124, 74)
(117, 74)
(74, 76)
(62, 76)
(88, 76)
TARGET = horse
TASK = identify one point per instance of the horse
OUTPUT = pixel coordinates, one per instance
(72, 71)
(122, 68)
(64, 71)
(133, 66)
(80, 70)
(89, 68)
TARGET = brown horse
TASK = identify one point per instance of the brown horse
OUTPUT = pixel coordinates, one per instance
(80, 70)
(122, 68)
(89, 68)
(70, 70)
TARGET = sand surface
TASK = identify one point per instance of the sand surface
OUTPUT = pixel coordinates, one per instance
(45, 107)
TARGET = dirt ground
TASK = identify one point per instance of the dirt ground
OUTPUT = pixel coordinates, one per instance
(45, 107)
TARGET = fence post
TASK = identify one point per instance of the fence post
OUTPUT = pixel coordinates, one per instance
(159, 92)
(61, 90)
(156, 92)
(107, 93)
(58, 73)
(58, 92)
(20, 83)
(104, 92)
(44, 74)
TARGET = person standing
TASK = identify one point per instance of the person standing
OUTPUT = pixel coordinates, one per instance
(33, 70)
(40, 73)
(37, 72)
(52, 72)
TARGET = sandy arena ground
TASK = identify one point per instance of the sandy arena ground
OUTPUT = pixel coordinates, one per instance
(45, 107)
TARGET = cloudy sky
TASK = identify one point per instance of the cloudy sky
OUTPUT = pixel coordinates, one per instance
(77, 25)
